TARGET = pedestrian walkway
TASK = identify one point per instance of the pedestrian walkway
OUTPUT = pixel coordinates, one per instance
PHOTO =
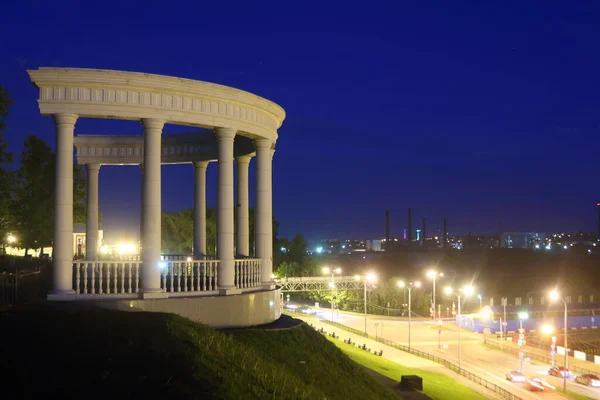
(398, 356)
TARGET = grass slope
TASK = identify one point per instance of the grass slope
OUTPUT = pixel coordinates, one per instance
(435, 385)
(50, 353)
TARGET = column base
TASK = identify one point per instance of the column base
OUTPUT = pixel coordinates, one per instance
(60, 296)
(153, 294)
(229, 290)
(268, 285)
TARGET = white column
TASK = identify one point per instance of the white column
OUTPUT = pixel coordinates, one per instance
(225, 226)
(200, 210)
(242, 240)
(62, 252)
(141, 209)
(91, 224)
(264, 212)
(150, 279)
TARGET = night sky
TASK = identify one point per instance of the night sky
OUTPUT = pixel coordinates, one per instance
(479, 112)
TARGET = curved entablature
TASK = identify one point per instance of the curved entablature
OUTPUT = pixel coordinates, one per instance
(126, 95)
(182, 148)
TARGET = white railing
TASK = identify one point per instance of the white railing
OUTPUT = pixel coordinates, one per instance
(119, 257)
(189, 276)
(106, 277)
(247, 273)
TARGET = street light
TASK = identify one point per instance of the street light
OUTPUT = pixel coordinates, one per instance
(11, 239)
(467, 291)
(333, 271)
(522, 315)
(409, 287)
(370, 277)
(554, 296)
(549, 330)
(433, 274)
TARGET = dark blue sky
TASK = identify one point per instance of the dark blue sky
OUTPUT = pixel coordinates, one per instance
(478, 112)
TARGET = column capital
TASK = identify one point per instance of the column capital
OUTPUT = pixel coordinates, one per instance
(152, 123)
(225, 133)
(245, 159)
(93, 167)
(66, 119)
(263, 143)
(200, 164)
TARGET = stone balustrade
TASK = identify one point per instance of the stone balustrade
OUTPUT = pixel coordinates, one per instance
(106, 277)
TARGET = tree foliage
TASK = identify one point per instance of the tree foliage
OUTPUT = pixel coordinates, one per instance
(7, 175)
(33, 205)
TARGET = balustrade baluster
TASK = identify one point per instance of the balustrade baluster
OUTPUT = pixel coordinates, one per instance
(93, 279)
(108, 278)
(215, 271)
(77, 278)
(163, 278)
(185, 275)
(122, 277)
(170, 266)
(137, 277)
(179, 277)
(101, 265)
(129, 285)
(85, 275)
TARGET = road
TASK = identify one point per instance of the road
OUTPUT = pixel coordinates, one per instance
(490, 364)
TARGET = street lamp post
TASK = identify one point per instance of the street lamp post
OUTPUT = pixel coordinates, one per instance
(409, 287)
(467, 290)
(555, 296)
(370, 277)
(522, 315)
(549, 330)
(480, 297)
(333, 271)
(433, 274)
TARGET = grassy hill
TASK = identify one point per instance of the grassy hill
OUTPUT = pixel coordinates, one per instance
(48, 352)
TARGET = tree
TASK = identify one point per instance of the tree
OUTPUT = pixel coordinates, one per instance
(7, 175)
(33, 205)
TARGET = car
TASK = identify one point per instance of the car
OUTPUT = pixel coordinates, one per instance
(306, 310)
(515, 376)
(588, 380)
(558, 371)
(537, 384)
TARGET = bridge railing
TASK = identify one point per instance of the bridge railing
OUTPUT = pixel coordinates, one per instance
(315, 279)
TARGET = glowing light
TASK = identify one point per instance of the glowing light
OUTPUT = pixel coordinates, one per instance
(11, 239)
(357, 277)
(189, 259)
(371, 277)
(418, 284)
(554, 295)
(448, 290)
(523, 315)
(319, 249)
(468, 290)
(401, 284)
(485, 313)
(125, 248)
(337, 270)
(547, 329)
(162, 264)
(325, 270)
(331, 285)
(104, 249)
(431, 274)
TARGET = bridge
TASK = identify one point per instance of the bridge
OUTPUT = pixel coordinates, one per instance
(311, 283)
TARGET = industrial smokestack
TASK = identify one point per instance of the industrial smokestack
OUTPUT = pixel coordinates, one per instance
(598, 205)
(445, 235)
(387, 230)
(424, 233)
(409, 228)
